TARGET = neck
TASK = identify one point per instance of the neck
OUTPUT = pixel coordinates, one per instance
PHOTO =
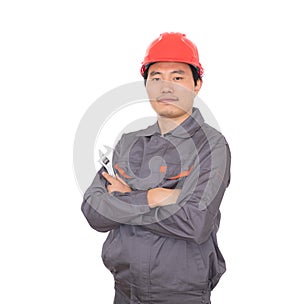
(167, 124)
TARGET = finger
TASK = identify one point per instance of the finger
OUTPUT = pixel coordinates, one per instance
(108, 177)
(109, 190)
(121, 180)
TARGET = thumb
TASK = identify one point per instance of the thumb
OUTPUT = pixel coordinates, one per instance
(108, 177)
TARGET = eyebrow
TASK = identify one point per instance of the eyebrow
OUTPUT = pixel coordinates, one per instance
(181, 72)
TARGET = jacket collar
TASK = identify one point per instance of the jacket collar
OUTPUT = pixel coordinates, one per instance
(185, 130)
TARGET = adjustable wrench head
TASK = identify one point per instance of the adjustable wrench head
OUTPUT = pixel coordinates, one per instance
(105, 161)
(104, 156)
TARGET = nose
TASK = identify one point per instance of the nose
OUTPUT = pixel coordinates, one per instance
(166, 87)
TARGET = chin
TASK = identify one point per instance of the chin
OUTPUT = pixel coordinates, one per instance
(170, 113)
(170, 110)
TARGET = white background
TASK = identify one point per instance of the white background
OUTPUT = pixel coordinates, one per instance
(58, 57)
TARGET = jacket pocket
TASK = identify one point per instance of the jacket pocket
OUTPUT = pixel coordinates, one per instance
(177, 169)
(195, 258)
(178, 173)
(115, 255)
(110, 249)
(178, 266)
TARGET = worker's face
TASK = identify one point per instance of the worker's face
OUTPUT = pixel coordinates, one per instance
(171, 89)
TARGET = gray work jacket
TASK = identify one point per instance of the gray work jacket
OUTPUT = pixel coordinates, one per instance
(166, 254)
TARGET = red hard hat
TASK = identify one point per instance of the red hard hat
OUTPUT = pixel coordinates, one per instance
(173, 47)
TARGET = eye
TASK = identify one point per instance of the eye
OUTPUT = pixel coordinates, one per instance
(155, 79)
(178, 78)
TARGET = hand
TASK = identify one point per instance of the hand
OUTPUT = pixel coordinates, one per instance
(116, 184)
(158, 197)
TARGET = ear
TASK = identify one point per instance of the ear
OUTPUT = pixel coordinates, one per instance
(198, 87)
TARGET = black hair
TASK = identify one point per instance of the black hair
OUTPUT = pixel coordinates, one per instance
(195, 73)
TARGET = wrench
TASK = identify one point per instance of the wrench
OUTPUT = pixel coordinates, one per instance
(105, 162)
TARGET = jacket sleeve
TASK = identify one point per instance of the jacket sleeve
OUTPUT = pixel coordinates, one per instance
(94, 195)
(105, 211)
(196, 212)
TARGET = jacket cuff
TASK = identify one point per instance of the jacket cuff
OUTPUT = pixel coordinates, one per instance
(136, 197)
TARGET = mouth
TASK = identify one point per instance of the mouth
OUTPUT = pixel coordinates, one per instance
(166, 99)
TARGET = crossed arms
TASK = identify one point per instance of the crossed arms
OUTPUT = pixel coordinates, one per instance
(188, 213)
(156, 197)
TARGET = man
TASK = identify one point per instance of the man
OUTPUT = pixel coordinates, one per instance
(162, 207)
